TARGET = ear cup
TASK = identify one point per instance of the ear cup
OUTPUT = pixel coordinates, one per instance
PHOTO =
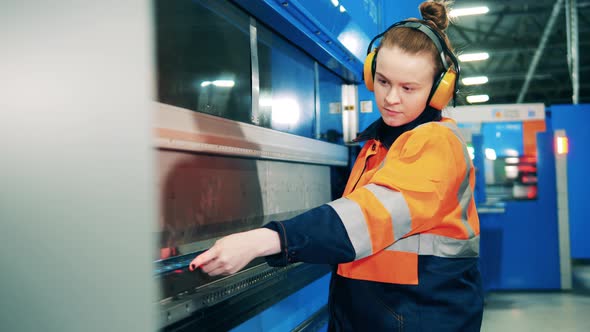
(443, 90)
(368, 68)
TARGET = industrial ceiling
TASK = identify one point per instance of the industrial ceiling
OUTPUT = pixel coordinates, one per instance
(527, 42)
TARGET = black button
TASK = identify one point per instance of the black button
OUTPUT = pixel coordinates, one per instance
(374, 147)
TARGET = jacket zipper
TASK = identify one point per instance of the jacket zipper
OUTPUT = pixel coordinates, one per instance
(364, 167)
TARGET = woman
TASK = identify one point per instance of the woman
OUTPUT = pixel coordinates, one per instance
(405, 234)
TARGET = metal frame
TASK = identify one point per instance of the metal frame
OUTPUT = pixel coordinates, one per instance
(207, 308)
(573, 47)
(182, 129)
(563, 222)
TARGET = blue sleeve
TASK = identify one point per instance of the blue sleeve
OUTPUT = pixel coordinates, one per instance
(316, 236)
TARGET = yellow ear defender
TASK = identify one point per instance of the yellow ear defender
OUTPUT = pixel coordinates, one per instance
(445, 86)
(443, 90)
(369, 70)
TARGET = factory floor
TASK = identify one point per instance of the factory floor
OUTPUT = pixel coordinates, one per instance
(541, 311)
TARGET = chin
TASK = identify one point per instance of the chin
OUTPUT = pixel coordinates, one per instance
(393, 122)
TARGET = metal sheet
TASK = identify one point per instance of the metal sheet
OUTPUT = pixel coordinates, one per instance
(203, 197)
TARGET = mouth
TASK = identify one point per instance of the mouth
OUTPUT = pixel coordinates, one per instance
(392, 111)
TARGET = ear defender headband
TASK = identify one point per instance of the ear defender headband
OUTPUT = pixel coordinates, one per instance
(445, 86)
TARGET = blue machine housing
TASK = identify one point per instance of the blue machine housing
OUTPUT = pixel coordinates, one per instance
(519, 248)
(299, 22)
(574, 119)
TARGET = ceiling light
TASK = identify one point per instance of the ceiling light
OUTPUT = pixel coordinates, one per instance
(473, 56)
(474, 80)
(335, 3)
(342, 9)
(477, 99)
(469, 11)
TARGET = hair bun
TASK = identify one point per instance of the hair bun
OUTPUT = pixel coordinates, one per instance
(435, 11)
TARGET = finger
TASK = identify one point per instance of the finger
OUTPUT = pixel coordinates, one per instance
(211, 266)
(192, 267)
(202, 259)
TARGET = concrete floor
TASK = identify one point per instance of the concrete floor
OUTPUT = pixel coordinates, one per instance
(541, 311)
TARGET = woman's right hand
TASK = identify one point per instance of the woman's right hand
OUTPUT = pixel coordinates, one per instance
(231, 253)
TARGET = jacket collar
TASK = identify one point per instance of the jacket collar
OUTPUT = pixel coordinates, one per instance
(381, 132)
(370, 132)
(385, 134)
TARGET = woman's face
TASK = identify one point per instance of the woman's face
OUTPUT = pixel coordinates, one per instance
(402, 84)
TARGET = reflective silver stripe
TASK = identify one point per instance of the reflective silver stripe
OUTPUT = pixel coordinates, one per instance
(437, 245)
(356, 226)
(407, 244)
(395, 203)
(442, 246)
(465, 194)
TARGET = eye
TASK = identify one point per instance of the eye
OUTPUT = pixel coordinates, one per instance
(408, 88)
(382, 81)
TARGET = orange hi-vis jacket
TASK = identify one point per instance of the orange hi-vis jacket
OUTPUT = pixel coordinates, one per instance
(404, 236)
(415, 198)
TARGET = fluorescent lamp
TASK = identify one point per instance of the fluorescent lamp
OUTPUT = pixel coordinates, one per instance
(473, 57)
(469, 11)
(219, 83)
(342, 9)
(477, 99)
(224, 83)
(335, 3)
(475, 80)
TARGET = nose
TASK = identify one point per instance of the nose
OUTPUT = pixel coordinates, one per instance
(392, 97)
